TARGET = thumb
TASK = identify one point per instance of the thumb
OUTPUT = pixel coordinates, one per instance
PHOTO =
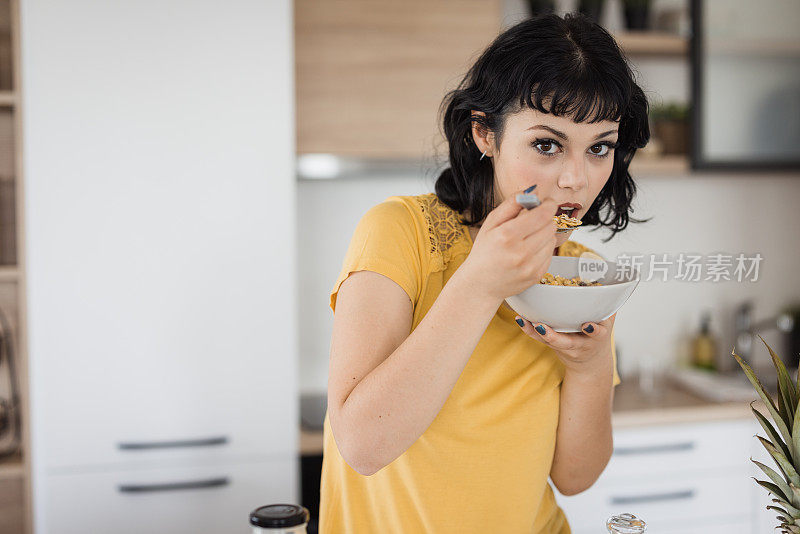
(506, 210)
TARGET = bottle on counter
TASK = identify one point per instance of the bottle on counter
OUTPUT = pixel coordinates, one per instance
(279, 519)
(704, 345)
(625, 524)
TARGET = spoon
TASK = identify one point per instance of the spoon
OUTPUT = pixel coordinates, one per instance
(530, 201)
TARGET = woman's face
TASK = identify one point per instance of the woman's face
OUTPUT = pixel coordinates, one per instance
(569, 161)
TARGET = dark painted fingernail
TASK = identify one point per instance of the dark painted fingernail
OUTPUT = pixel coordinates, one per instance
(531, 188)
(520, 322)
(589, 329)
(541, 330)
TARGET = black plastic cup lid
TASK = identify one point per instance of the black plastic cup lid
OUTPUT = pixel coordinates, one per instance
(279, 515)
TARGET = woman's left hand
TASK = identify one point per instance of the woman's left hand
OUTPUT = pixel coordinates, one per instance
(586, 353)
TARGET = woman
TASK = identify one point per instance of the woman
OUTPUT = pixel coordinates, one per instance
(444, 415)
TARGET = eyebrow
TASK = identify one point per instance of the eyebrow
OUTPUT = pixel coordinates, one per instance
(562, 135)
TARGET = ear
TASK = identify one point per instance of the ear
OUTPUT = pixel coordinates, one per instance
(483, 137)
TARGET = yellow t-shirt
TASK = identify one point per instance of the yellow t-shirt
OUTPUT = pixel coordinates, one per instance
(483, 464)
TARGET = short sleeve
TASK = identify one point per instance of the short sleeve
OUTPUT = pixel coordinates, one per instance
(385, 241)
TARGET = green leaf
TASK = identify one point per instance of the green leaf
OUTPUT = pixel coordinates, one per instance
(796, 435)
(775, 477)
(795, 512)
(773, 411)
(779, 510)
(782, 409)
(786, 388)
(770, 430)
(772, 488)
(785, 465)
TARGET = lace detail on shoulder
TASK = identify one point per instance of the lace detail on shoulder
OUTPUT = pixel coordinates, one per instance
(444, 229)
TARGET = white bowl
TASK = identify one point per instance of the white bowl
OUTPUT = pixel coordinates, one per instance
(567, 308)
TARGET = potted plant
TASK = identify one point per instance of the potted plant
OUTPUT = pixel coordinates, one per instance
(637, 14)
(783, 443)
(670, 125)
(591, 8)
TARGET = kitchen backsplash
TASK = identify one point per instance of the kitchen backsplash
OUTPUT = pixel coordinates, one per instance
(739, 213)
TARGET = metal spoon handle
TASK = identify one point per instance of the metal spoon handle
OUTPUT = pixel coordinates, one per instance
(528, 200)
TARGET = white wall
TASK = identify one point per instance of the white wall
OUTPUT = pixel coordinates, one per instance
(148, 123)
(737, 213)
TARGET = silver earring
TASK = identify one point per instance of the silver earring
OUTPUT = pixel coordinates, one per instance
(482, 155)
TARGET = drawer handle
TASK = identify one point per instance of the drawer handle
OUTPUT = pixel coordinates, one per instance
(172, 486)
(655, 497)
(653, 449)
(142, 445)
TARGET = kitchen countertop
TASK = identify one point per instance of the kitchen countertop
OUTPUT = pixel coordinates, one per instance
(669, 404)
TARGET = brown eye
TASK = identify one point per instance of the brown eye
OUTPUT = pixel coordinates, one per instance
(546, 147)
(603, 150)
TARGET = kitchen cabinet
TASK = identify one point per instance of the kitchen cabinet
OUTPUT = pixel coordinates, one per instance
(209, 498)
(754, 48)
(678, 478)
(160, 272)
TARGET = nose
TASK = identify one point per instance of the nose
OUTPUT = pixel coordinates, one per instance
(573, 174)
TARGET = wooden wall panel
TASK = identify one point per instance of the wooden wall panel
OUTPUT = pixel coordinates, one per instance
(371, 73)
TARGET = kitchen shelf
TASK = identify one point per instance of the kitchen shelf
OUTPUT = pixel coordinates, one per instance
(8, 273)
(15, 474)
(12, 466)
(649, 43)
(8, 98)
(648, 165)
(751, 47)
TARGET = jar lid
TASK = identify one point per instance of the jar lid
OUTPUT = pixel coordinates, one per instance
(279, 515)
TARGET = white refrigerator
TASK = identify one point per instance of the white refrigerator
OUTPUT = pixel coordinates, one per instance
(158, 143)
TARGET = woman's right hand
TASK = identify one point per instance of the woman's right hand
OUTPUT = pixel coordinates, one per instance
(513, 248)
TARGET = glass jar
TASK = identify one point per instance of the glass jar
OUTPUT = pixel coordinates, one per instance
(625, 524)
(279, 519)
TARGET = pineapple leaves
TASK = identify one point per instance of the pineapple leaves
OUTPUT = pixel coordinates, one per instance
(784, 447)
(795, 512)
(771, 432)
(785, 465)
(784, 515)
(787, 389)
(773, 410)
(775, 477)
(795, 445)
(775, 490)
(795, 494)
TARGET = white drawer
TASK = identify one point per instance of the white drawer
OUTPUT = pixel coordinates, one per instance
(201, 500)
(680, 449)
(664, 504)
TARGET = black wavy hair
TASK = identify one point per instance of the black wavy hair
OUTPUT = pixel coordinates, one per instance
(577, 67)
